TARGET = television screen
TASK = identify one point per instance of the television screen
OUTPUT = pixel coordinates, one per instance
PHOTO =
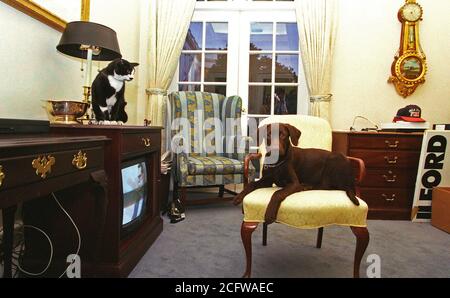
(134, 186)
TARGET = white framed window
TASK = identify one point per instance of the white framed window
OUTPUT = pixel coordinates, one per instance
(205, 63)
(271, 80)
(261, 57)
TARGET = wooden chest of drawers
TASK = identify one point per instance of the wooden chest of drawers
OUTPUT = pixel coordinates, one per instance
(391, 161)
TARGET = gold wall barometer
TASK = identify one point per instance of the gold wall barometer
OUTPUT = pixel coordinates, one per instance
(409, 67)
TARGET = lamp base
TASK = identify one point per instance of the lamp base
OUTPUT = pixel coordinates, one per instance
(87, 94)
(86, 98)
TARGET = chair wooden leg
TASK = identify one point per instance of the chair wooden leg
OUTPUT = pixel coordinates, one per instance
(264, 236)
(175, 193)
(247, 229)
(183, 194)
(362, 241)
(319, 238)
(221, 191)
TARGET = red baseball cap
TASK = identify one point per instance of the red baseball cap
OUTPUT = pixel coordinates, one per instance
(410, 113)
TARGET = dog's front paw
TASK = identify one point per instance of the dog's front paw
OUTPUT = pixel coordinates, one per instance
(271, 214)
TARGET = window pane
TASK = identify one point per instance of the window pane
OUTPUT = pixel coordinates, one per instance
(216, 36)
(190, 67)
(261, 36)
(215, 67)
(194, 37)
(259, 99)
(216, 89)
(188, 87)
(260, 68)
(285, 100)
(286, 68)
(287, 37)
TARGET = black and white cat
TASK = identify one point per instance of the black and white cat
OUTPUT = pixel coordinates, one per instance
(108, 89)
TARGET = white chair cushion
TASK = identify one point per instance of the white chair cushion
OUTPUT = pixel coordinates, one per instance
(307, 209)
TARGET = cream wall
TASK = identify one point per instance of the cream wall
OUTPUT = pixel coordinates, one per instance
(368, 38)
(123, 17)
(32, 69)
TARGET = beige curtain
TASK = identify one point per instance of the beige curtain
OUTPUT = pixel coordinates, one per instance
(169, 23)
(317, 22)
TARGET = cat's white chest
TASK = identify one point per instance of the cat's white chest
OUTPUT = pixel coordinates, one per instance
(116, 84)
(111, 101)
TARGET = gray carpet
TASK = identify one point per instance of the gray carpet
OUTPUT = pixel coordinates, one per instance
(208, 244)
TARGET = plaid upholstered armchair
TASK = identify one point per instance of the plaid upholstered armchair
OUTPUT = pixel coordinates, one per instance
(207, 141)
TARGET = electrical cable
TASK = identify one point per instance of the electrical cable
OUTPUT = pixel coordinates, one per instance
(76, 228)
(352, 128)
(50, 243)
(50, 258)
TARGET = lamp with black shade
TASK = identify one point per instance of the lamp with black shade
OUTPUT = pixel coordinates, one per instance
(89, 41)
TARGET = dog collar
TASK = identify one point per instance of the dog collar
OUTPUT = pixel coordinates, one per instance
(275, 165)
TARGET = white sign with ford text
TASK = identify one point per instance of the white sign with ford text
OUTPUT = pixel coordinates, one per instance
(434, 171)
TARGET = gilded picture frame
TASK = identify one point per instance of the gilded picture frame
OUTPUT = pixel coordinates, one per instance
(45, 16)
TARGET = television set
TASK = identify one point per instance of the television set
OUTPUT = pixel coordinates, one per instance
(134, 194)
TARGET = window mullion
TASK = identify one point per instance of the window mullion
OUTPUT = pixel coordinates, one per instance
(272, 100)
(202, 77)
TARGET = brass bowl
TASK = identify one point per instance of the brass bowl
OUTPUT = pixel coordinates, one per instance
(66, 111)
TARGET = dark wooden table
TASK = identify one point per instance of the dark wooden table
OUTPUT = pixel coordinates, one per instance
(35, 166)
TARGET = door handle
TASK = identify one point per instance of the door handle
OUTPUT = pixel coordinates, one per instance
(43, 165)
(391, 161)
(391, 199)
(391, 179)
(80, 160)
(146, 142)
(388, 143)
(2, 175)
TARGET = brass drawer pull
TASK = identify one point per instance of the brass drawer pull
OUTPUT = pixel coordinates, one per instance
(43, 165)
(79, 160)
(146, 142)
(391, 179)
(2, 175)
(391, 199)
(391, 161)
(395, 145)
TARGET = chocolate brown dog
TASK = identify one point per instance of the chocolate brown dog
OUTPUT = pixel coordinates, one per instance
(299, 169)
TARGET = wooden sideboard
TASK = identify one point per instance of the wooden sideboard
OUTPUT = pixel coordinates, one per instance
(120, 253)
(391, 160)
(31, 168)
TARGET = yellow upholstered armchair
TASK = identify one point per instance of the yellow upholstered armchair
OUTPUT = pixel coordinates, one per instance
(313, 209)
